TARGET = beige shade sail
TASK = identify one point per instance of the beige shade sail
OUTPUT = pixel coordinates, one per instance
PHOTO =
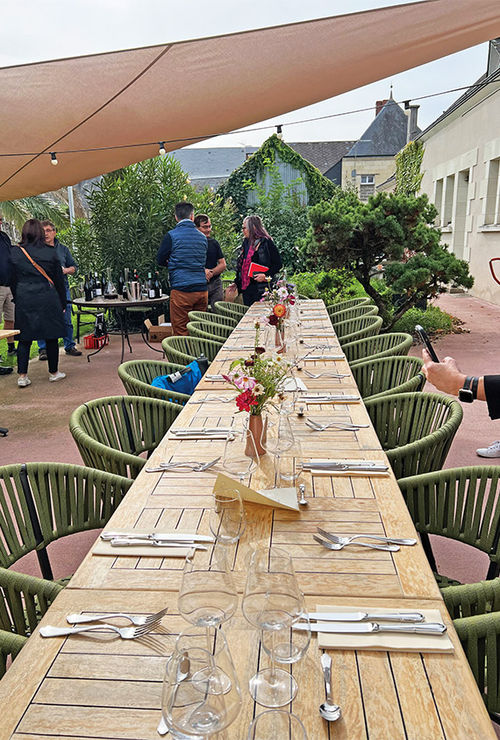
(105, 111)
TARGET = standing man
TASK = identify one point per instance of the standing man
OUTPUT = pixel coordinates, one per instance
(215, 265)
(6, 303)
(184, 251)
(69, 268)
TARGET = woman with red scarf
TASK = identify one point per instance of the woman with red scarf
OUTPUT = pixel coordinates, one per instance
(258, 247)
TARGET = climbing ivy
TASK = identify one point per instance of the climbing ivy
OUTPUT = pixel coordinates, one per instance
(408, 163)
(240, 181)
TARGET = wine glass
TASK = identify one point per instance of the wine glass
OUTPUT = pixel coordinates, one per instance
(240, 457)
(290, 465)
(207, 596)
(271, 601)
(276, 723)
(279, 435)
(195, 704)
(289, 644)
(227, 519)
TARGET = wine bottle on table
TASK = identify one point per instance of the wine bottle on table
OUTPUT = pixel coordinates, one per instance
(98, 286)
(151, 287)
(157, 286)
(87, 289)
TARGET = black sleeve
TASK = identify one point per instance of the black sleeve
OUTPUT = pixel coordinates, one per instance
(218, 251)
(165, 250)
(239, 264)
(58, 279)
(5, 265)
(492, 391)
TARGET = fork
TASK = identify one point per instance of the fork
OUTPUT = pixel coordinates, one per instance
(197, 467)
(324, 375)
(343, 426)
(126, 633)
(150, 619)
(210, 399)
(334, 546)
(347, 540)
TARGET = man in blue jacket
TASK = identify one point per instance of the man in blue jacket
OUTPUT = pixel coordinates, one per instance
(184, 251)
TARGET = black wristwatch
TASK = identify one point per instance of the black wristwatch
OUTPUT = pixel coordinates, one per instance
(466, 393)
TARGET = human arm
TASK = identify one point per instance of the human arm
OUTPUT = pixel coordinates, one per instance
(164, 251)
(69, 265)
(447, 377)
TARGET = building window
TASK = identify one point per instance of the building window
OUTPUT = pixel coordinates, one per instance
(367, 186)
(448, 200)
(438, 201)
(492, 213)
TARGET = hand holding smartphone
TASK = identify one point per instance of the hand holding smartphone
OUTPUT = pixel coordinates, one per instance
(425, 340)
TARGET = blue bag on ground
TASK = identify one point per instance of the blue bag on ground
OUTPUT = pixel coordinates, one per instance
(184, 381)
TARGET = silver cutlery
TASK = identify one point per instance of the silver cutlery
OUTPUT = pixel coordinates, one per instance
(195, 467)
(126, 633)
(154, 543)
(333, 546)
(203, 430)
(425, 628)
(323, 357)
(153, 619)
(333, 467)
(213, 399)
(365, 617)
(324, 375)
(348, 540)
(328, 710)
(302, 499)
(172, 536)
(329, 397)
(335, 425)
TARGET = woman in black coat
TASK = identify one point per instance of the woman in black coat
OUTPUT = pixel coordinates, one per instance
(40, 299)
(257, 247)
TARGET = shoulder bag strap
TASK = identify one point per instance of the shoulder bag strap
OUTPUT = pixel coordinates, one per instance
(36, 266)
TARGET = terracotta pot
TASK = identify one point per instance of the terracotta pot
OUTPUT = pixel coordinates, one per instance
(257, 427)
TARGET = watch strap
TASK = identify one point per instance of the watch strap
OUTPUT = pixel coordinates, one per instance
(475, 382)
(467, 382)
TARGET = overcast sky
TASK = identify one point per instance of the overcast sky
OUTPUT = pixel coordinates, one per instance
(34, 31)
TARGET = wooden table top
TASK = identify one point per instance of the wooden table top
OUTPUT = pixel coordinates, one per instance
(7, 333)
(74, 687)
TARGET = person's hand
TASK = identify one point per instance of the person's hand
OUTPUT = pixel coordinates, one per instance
(209, 274)
(445, 375)
(260, 277)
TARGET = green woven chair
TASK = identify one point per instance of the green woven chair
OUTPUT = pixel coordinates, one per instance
(459, 503)
(364, 309)
(184, 350)
(233, 310)
(212, 318)
(350, 303)
(358, 328)
(41, 502)
(204, 330)
(10, 647)
(136, 376)
(112, 433)
(24, 600)
(415, 429)
(372, 348)
(388, 375)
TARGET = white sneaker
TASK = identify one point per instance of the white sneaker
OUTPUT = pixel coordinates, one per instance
(492, 451)
(23, 382)
(56, 376)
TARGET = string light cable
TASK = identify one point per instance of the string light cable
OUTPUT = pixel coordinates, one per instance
(213, 135)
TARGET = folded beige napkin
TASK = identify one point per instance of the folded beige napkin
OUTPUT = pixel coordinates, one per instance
(404, 641)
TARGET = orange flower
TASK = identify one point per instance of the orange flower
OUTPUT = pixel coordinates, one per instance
(279, 310)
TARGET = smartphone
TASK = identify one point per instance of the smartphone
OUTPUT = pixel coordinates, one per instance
(425, 340)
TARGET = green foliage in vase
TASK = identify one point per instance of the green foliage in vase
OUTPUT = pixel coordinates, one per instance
(395, 231)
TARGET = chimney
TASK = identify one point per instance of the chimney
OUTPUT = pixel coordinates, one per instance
(412, 128)
(379, 104)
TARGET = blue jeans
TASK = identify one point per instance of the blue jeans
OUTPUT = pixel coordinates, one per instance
(68, 340)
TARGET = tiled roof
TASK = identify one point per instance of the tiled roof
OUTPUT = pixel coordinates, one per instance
(214, 162)
(385, 136)
(322, 154)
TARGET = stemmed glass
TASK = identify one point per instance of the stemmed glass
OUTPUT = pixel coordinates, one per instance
(235, 460)
(227, 519)
(196, 704)
(272, 601)
(280, 437)
(290, 464)
(275, 723)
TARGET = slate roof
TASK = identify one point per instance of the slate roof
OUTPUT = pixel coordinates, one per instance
(213, 162)
(322, 154)
(385, 136)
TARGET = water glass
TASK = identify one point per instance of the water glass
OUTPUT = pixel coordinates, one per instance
(227, 520)
(207, 596)
(276, 723)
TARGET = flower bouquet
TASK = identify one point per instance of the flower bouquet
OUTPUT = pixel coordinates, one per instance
(281, 297)
(259, 379)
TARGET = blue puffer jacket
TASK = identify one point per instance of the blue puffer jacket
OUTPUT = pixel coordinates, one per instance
(186, 265)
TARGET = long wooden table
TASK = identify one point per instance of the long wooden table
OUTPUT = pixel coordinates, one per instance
(85, 687)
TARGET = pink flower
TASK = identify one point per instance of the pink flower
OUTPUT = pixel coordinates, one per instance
(245, 382)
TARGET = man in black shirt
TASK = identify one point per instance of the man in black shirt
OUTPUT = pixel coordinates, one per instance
(215, 265)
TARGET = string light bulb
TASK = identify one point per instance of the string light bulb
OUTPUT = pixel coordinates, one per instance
(279, 131)
(53, 159)
(162, 149)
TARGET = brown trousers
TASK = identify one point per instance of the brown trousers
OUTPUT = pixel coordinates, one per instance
(180, 304)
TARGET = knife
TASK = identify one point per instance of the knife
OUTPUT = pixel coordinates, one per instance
(365, 617)
(203, 430)
(429, 628)
(376, 464)
(155, 543)
(173, 536)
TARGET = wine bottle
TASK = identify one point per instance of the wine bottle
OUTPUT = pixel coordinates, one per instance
(98, 286)
(151, 287)
(87, 289)
(157, 286)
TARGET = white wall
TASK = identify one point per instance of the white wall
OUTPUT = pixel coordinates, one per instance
(461, 176)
